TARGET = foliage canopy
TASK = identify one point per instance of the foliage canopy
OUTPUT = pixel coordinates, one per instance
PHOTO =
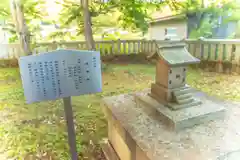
(33, 12)
(129, 14)
(207, 14)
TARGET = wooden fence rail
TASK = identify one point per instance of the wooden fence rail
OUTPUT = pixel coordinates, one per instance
(105, 47)
(212, 50)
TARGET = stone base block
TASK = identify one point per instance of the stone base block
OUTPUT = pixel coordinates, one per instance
(181, 118)
(134, 134)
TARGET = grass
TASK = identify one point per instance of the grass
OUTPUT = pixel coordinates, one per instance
(39, 129)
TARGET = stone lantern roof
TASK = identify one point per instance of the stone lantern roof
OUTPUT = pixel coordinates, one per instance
(175, 54)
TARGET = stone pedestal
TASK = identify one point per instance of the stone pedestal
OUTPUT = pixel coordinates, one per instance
(184, 117)
(135, 131)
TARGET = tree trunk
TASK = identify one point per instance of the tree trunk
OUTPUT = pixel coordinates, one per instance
(21, 27)
(88, 29)
(88, 26)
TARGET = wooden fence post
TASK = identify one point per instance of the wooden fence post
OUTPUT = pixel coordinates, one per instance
(119, 50)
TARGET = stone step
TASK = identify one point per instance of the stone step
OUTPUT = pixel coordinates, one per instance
(182, 91)
(175, 106)
(185, 101)
(183, 96)
(180, 88)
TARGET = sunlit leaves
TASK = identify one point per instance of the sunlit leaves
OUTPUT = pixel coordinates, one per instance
(71, 12)
(205, 13)
(4, 13)
(130, 14)
(33, 11)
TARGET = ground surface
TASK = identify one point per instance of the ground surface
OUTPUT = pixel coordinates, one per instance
(39, 129)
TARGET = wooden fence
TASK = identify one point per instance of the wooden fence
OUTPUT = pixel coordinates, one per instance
(105, 47)
(220, 51)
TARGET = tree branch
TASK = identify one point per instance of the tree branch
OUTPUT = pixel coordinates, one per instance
(103, 10)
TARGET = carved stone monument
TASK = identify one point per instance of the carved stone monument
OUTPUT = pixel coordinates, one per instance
(177, 105)
(170, 87)
(171, 120)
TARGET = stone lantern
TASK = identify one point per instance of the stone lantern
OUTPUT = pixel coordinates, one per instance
(170, 120)
(170, 85)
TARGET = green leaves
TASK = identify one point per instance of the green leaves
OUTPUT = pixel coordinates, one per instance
(4, 13)
(129, 14)
(71, 12)
(134, 15)
(206, 14)
(33, 11)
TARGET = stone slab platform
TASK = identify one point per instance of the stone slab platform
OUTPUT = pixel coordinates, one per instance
(182, 118)
(136, 135)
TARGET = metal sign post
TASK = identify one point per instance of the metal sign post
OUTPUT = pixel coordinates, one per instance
(61, 74)
(70, 127)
